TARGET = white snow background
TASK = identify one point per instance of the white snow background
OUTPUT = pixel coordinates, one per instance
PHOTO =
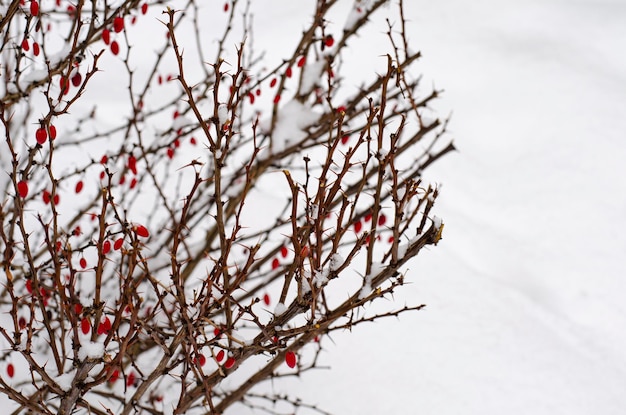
(525, 294)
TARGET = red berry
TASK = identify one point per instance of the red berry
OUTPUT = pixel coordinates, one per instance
(266, 299)
(219, 356)
(55, 199)
(133, 183)
(276, 99)
(381, 220)
(118, 24)
(79, 186)
(273, 83)
(141, 230)
(64, 85)
(230, 362)
(201, 359)
(53, 132)
(251, 97)
(104, 159)
(275, 263)
(344, 139)
(130, 380)
(85, 325)
(106, 36)
(36, 49)
(284, 251)
(193, 141)
(357, 226)
(368, 217)
(329, 41)
(105, 326)
(41, 135)
(22, 188)
(132, 164)
(77, 79)
(34, 8)
(118, 244)
(10, 370)
(115, 48)
(144, 8)
(46, 197)
(301, 62)
(114, 376)
(106, 247)
(290, 359)
(289, 72)
(21, 323)
(170, 153)
(226, 6)
(78, 308)
(25, 45)
(83, 263)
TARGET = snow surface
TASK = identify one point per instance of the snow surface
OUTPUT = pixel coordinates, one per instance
(524, 293)
(90, 350)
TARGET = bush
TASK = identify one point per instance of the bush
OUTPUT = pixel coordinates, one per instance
(178, 211)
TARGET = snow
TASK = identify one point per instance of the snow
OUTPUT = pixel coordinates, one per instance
(33, 76)
(293, 119)
(336, 261)
(65, 381)
(320, 277)
(437, 222)
(367, 286)
(280, 309)
(525, 292)
(311, 76)
(359, 9)
(90, 350)
(222, 114)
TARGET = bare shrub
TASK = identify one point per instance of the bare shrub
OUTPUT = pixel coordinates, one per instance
(179, 209)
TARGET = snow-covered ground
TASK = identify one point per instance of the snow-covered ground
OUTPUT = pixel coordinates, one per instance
(525, 295)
